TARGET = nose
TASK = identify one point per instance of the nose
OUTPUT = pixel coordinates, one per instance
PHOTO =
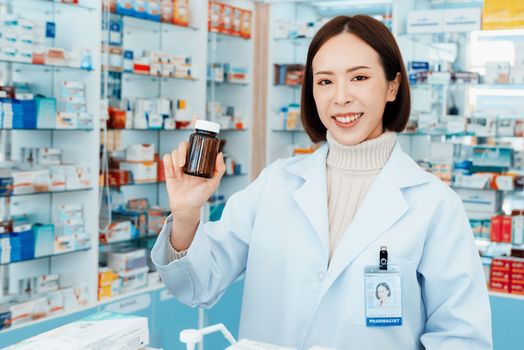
(343, 95)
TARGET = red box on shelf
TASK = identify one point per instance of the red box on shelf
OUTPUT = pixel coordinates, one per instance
(117, 177)
(501, 264)
(517, 288)
(500, 276)
(507, 228)
(496, 228)
(503, 287)
(517, 277)
(517, 265)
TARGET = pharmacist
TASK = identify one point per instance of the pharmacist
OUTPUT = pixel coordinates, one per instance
(351, 247)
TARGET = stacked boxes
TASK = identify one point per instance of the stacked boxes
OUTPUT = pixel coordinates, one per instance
(507, 229)
(229, 20)
(507, 275)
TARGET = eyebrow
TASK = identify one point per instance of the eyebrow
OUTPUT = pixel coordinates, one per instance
(349, 70)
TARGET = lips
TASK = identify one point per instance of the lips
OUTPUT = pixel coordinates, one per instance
(347, 117)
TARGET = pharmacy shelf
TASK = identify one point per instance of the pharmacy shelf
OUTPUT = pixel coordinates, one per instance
(297, 86)
(161, 24)
(133, 74)
(218, 36)
(46, 192)
(484, 189)
(473, 85)
(130, 240)
(138, 184)
(52, 3)
(49, 66)
(133, 293)
(288, 130)
(47, 256)
(506, 295)
(46, 319)
(235, 175)
(219, 83)
(46, 129)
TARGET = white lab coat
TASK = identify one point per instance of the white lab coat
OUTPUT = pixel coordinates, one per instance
(276, 233)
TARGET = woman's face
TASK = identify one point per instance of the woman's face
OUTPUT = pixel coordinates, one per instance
(350, 89)
(382, 292)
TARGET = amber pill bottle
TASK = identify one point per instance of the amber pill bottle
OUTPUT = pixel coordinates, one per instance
(203, 149)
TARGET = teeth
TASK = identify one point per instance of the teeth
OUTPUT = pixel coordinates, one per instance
(350, 119)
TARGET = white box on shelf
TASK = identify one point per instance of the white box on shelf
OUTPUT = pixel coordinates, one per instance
(134, 279)
(142, 171)
(517, 75)
(497, 72)
(462, 20)
(127, 260)
(480, 204)
(140, 152)
(77, 177)
(426, 21)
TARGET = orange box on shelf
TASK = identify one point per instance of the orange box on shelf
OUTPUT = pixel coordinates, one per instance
(181, 12)
(227, 19)
(236, 24)
(245, 26)
(166, 11)
(214, 20)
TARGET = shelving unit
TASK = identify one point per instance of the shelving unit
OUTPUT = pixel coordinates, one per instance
(281, 142)
(225, 48)
(74, 24)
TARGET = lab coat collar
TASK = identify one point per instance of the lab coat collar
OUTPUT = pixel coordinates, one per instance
(382, 207)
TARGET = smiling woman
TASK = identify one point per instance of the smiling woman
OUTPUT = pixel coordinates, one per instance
(355, 82)
(308, 232)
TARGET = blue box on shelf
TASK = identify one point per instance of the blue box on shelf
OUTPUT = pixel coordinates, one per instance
(491, 158)
(44, 239)
(16, 247)
(125, 7)
(45, 112)
(29, 114)
(137, 217)
(6, 186)
(50, 30)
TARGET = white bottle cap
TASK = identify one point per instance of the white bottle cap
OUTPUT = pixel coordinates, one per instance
(207, 126)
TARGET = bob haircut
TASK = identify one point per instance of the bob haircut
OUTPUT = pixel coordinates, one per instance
(376, 35)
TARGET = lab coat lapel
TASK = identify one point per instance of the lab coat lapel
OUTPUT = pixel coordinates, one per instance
(311, 197)
(382, 207)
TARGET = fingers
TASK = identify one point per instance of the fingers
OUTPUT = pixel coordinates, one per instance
(182, 153)
(177, 170)
(220, 169)
(168, 166)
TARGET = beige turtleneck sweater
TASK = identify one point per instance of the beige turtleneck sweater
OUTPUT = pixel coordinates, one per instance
(351, 170)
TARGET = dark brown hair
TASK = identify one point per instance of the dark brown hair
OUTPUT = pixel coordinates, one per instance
(376, 35)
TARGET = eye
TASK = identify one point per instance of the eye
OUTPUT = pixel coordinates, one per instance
(359, 78)
(324, 82)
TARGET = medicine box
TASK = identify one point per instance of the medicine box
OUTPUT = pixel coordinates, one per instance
(426, 21)
(142, 172)
(140, 152)
(480, 204)
(44, 239)
(134, 279)
(127, 260)
(461, 20)
(497, 72)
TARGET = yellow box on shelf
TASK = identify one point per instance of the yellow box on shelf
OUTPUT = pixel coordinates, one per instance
(497, 14)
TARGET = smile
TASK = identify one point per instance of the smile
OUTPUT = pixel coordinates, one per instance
(347, 118)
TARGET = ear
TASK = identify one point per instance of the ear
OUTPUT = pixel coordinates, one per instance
(393, 87)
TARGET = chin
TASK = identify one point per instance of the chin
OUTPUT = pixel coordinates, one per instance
(347, 138)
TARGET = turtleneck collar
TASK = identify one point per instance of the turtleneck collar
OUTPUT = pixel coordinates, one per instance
(368, 155)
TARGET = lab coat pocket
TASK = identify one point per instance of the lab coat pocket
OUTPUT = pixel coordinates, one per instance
(356, 293)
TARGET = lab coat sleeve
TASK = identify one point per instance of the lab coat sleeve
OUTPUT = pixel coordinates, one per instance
(217, 255)
(453, 284)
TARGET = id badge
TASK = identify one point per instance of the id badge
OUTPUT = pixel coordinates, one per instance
(383, 296)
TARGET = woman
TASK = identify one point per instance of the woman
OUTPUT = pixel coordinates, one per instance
(382, 293)
(305, 231)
